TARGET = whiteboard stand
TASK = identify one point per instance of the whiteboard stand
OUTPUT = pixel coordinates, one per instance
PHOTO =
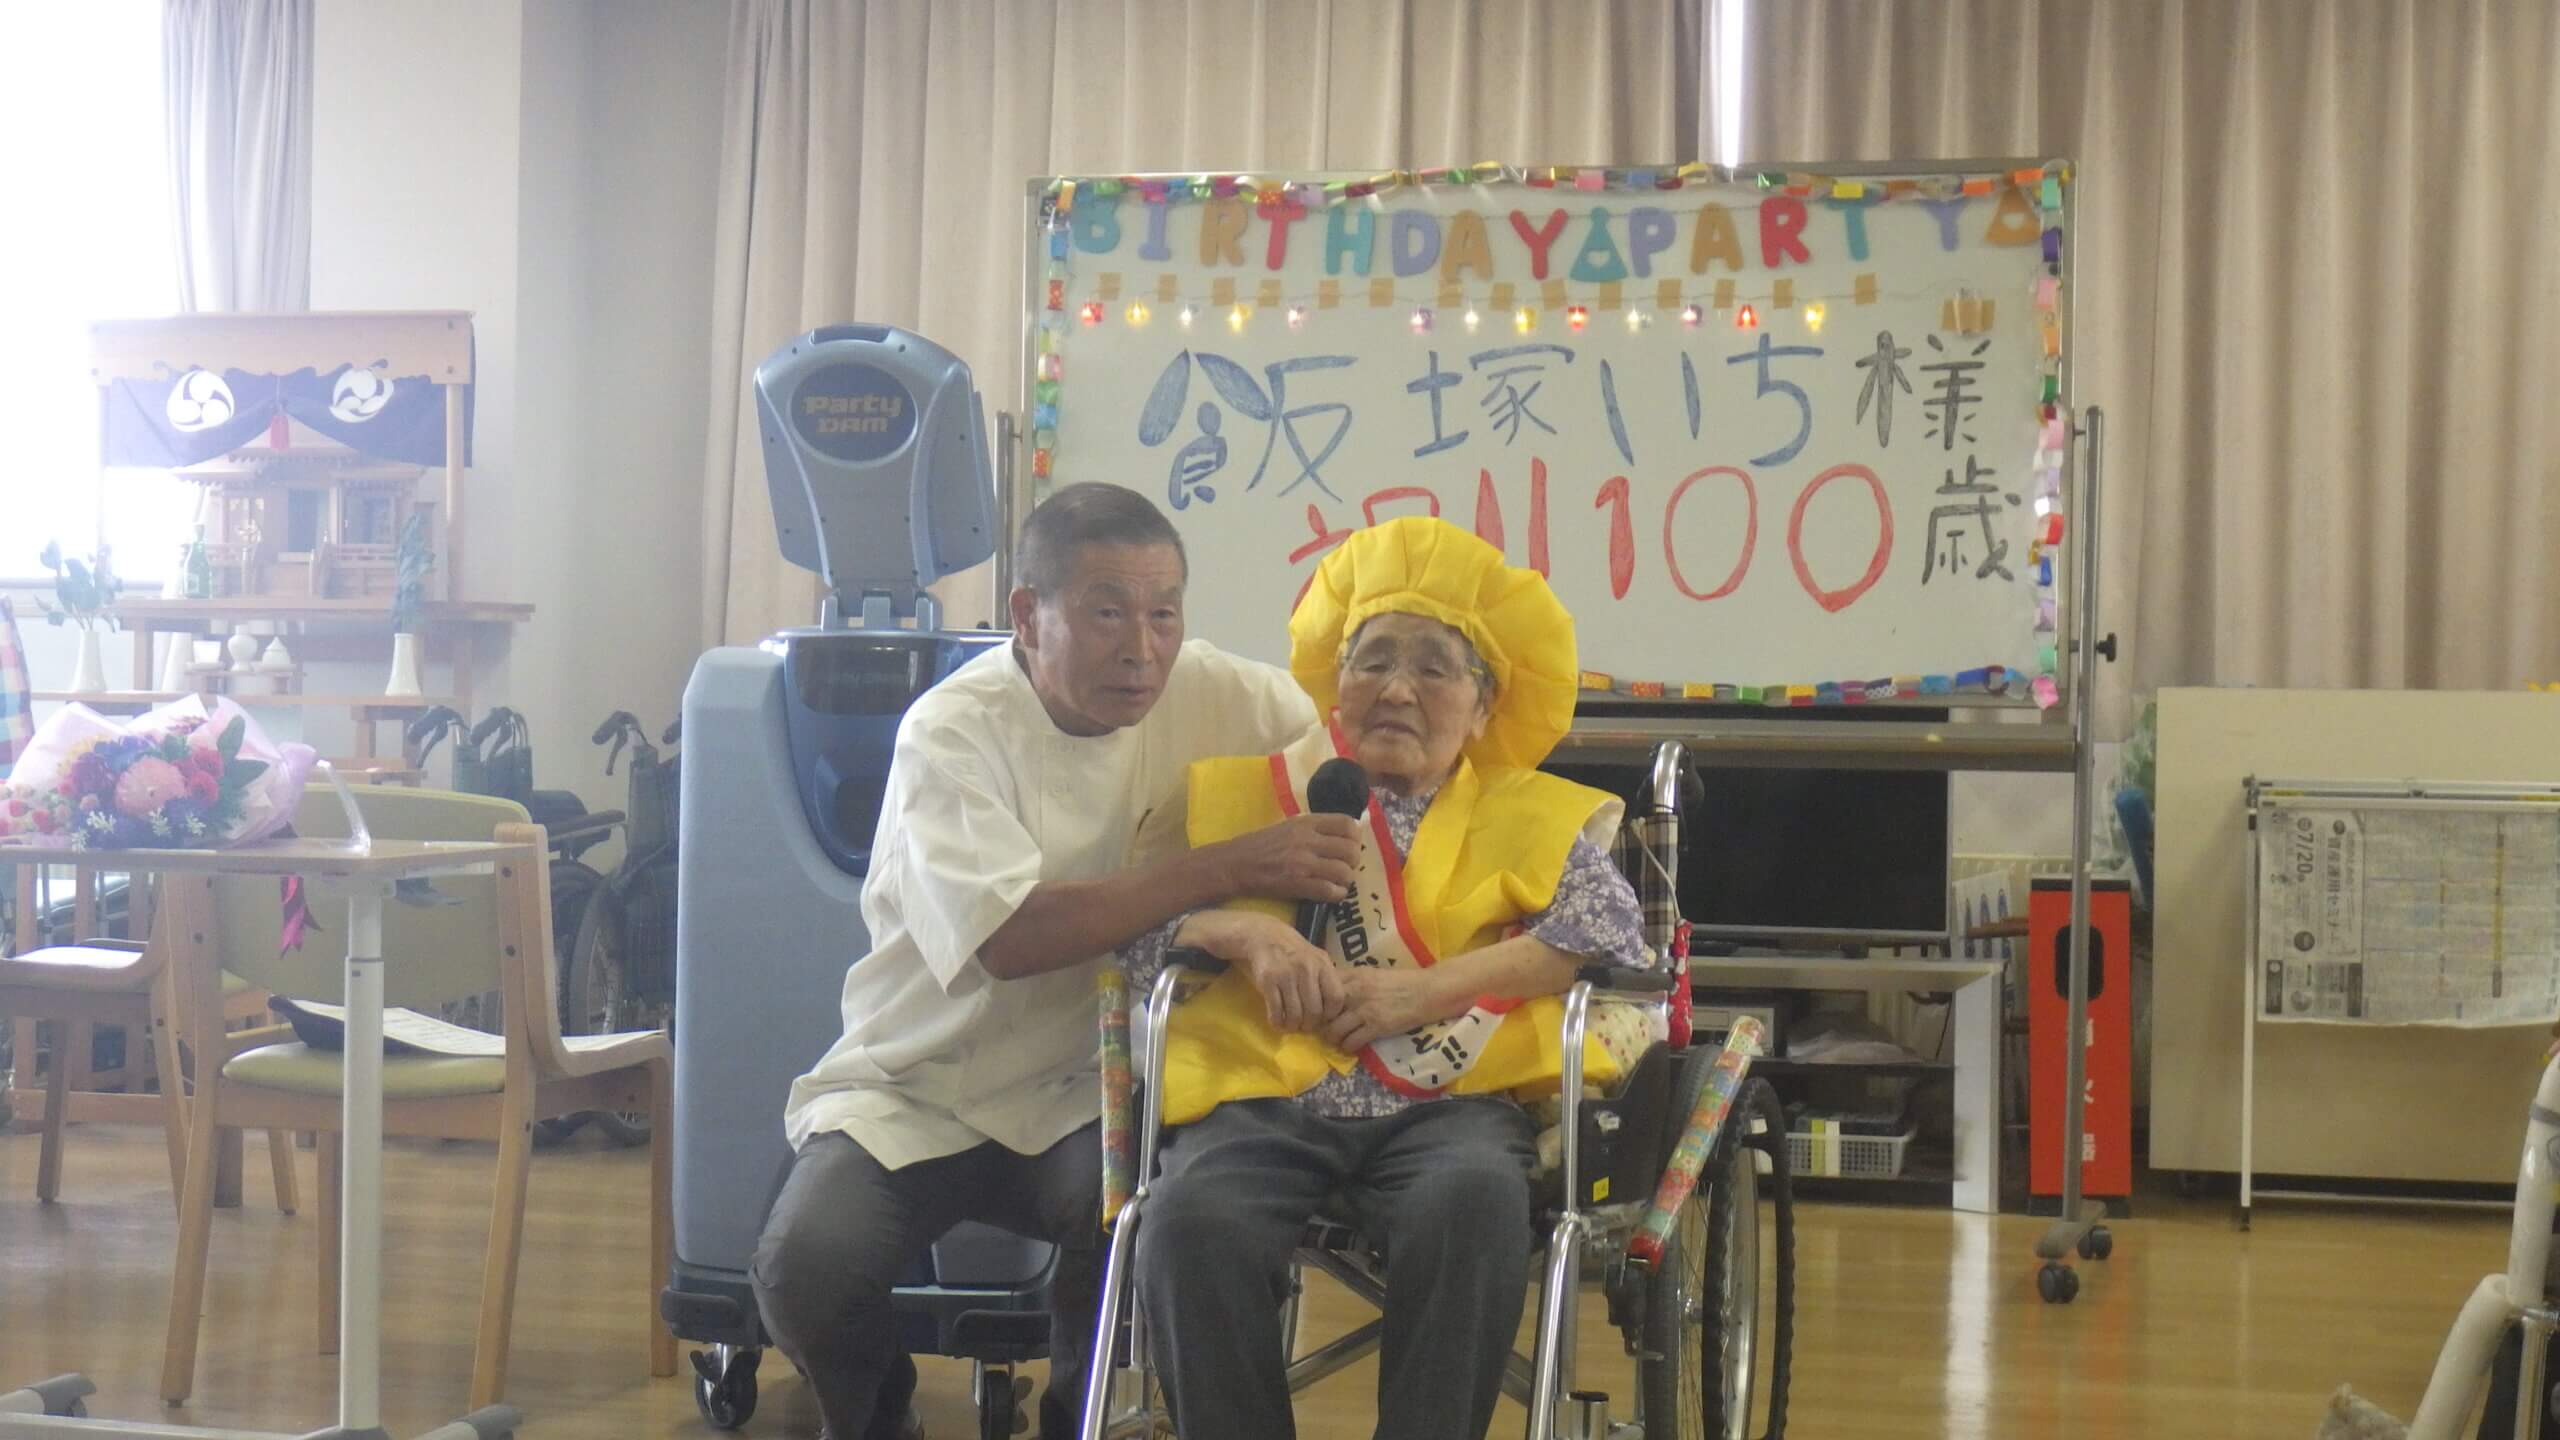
(2539, 800)
(2079, 1229)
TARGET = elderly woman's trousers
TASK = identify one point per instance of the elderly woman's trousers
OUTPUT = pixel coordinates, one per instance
(1442, 1188)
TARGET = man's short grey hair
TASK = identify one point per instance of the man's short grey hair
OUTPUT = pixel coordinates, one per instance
(1093, 513)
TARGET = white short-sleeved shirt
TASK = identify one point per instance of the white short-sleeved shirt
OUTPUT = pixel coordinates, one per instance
(987, 798)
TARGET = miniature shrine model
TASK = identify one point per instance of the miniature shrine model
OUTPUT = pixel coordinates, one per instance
(314, 438)
(304, 521)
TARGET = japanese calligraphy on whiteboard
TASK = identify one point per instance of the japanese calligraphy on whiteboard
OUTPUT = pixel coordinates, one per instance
(2408, 917)
(1782, 438)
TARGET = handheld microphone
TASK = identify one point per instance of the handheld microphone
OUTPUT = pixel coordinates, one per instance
(1339, 787)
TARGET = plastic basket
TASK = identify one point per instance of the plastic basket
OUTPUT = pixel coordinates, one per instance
(1829, 1153)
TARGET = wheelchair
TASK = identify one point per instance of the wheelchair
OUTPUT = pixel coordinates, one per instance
(1711, 1350)
(613, 933)
(618, 971)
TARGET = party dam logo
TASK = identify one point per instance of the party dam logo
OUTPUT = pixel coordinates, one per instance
(854, 412)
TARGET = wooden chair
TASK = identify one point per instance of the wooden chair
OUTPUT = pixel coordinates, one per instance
(496, 935)
(96, 984)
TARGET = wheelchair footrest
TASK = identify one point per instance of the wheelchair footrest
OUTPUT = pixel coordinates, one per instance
(710, 1319)
(1000, 1336)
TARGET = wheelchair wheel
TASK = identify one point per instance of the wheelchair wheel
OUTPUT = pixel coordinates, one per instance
(1710, 1320)
(724, 1385)
(596, 996)
(1003, 1401)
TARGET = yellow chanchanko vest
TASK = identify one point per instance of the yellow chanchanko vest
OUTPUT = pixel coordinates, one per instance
(1488, 855)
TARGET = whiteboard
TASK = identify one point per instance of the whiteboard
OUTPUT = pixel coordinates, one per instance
(1787, 437)
(2405, 916)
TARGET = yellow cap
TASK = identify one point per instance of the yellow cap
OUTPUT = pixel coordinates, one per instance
(1422, 566)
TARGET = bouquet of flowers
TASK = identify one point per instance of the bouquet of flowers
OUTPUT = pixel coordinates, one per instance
(191, 775)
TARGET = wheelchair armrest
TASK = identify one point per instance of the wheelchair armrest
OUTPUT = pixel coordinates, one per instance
(593, 823)
(1626, 979)
(1185, 969)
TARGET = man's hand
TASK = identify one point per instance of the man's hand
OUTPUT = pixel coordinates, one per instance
(1378, 1002)
(1299, 985)
(1311, 857)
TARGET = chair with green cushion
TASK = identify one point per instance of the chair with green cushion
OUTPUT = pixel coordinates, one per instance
(476, 933)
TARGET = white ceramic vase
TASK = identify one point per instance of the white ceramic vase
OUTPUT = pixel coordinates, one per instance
(244, 649)
(90, 677)
(404, 667)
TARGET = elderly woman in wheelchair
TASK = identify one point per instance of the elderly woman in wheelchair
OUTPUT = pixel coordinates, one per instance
(1372, 1081)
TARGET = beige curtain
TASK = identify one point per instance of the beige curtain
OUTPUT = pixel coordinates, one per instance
(2318, 295)
(877, 155)
(238, 77)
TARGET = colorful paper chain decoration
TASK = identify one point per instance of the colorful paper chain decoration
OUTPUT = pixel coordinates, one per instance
(1697, 1140)
(1119, 1092)
(1061, 195)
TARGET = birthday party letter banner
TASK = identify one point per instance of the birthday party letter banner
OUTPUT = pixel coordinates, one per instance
(1786, 437)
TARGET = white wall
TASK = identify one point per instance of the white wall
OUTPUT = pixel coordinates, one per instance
(550, 166)
(415, 135)
(621, 126)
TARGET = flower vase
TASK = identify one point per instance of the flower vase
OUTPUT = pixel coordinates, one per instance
(90, 678)
(404, 666)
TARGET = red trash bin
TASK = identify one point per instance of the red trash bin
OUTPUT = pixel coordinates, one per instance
(2106, 1153)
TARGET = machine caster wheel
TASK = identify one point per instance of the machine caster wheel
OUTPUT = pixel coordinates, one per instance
(1002, 1397)
(2057, 1283)
(2098, 1244)
(724, 1388)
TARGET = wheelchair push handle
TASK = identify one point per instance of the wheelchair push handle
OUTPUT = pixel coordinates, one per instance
(429, 730)
(620, 729)
(501, 722)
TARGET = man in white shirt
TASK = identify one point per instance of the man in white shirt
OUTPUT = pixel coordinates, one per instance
(966, 1085)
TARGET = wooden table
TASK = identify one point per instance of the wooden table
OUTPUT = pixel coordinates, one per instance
(363, 872)
(459, 623)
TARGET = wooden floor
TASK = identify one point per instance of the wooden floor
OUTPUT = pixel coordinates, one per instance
(1908, 1323)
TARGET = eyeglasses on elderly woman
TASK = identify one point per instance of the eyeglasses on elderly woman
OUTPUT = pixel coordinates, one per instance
(1428, 653)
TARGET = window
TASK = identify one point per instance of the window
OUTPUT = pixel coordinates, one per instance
(90, 236)
(1729, 18)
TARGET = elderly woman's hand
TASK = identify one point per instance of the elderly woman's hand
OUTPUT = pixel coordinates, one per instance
(1378, 1002)
(1298, 982)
